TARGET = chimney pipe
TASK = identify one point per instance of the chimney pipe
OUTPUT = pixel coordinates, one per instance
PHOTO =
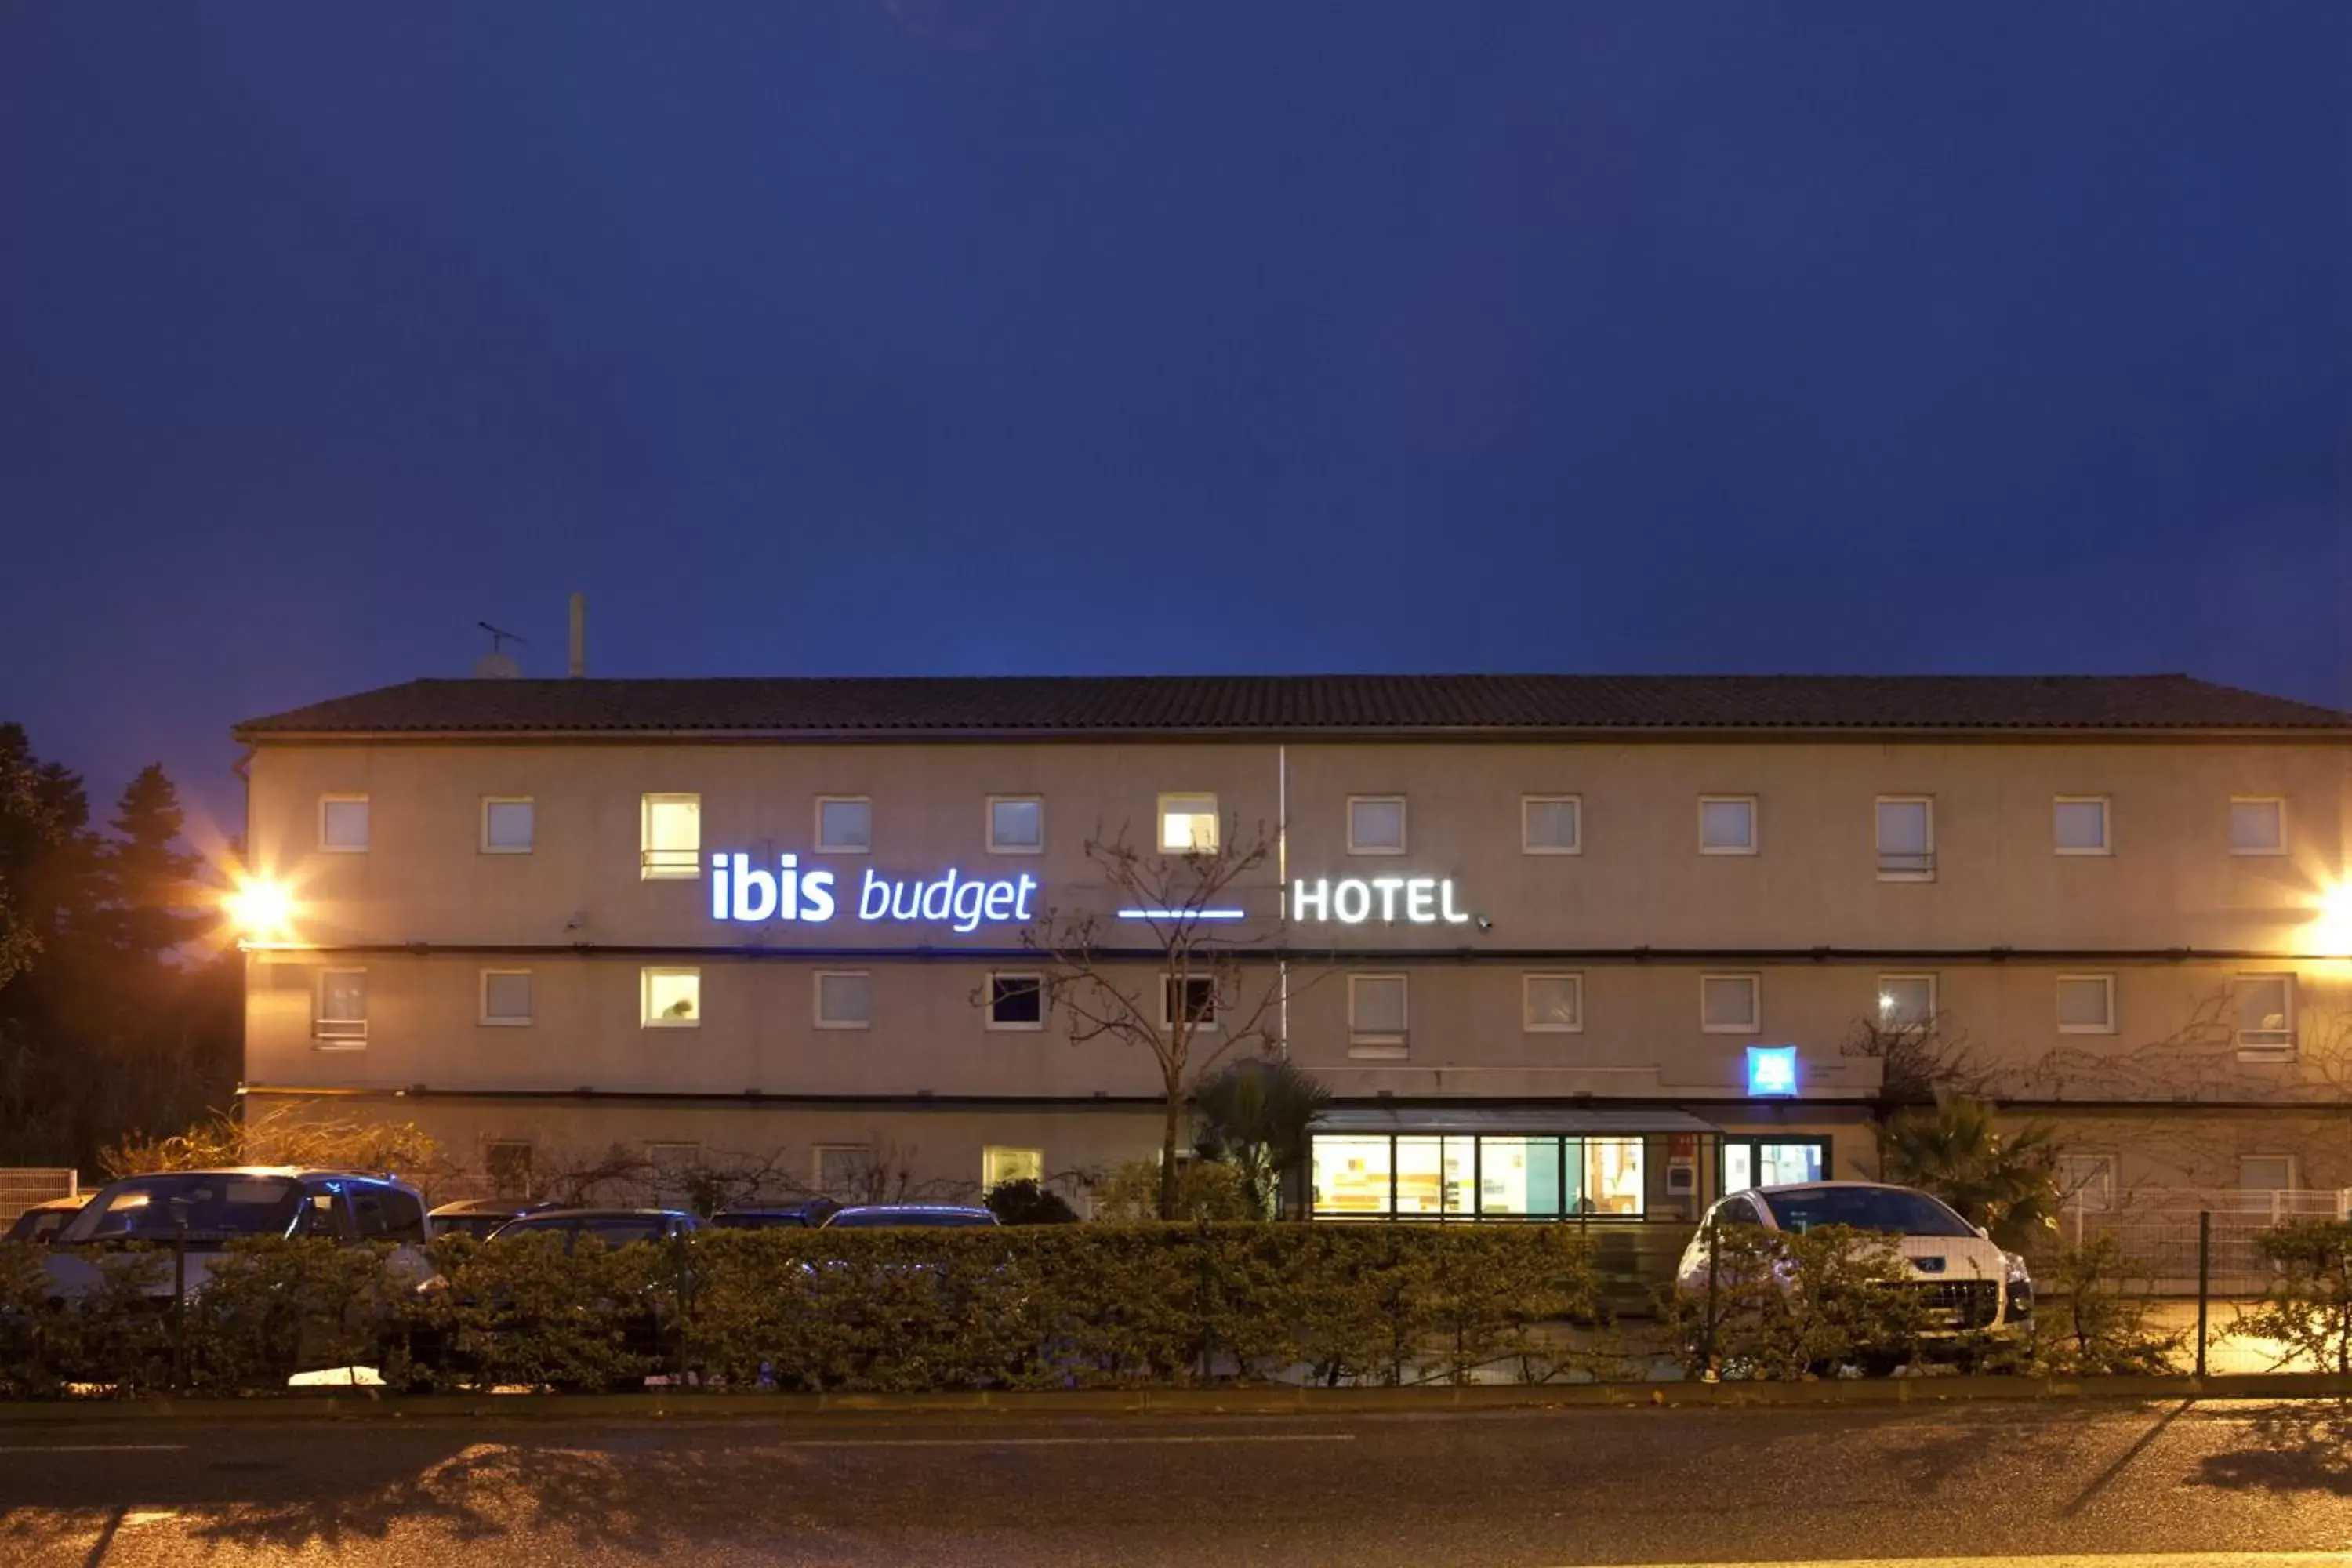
(579, 636)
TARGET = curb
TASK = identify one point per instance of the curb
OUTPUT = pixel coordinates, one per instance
(1262, 1401)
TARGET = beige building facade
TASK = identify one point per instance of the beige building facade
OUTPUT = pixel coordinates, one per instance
(1558, 946)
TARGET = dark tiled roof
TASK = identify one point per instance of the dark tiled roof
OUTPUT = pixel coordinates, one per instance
(1301, 704)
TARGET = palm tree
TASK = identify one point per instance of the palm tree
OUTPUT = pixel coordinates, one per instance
(2005, 1182)
(1254, 1115)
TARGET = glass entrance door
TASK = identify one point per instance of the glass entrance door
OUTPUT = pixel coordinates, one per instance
(1772, 1162)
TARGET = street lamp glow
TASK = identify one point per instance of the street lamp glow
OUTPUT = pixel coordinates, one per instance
(261, 909)
(2331, 926)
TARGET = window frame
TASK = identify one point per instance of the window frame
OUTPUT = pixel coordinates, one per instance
(1755, 843)
(498, 1150)
(1214, 814)
(2107, 844)
(327, 847)
(2281, 1049)
(1926, 871)
(350, 1034)
(1575, 804)
(1404, 825)
(1392, 1042)
(2278, 804)
(1167, 980)
(1528, 1025)
(997, 847)
(2107, 982)
(645, 976)
(817, 1151)
(482, 1017)
(1754, 1026)
(989, 1019)
(816, 825)
(652, 871)
(816, 999)
(487, 848)
(2293, 1170)
(1935, 998)
(2107, 1186)
(989, 1152)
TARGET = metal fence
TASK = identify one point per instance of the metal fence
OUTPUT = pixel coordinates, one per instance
(22, 1186)
(2159, 1231)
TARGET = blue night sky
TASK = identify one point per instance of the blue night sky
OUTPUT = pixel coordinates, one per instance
(1015, 335)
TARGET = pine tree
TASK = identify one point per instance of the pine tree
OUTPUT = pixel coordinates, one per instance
(150, 883)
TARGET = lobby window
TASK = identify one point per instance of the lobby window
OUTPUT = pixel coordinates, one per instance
(507, 825)
(1906, 838)
(844, 998)
(506, 997)
(2079, 825)
(2266, 1173)
(507, 1162)
(1730, 1004)
(1376, 825)
(670, 998)
(1191, 996)
(1457, 1176)
(845, 824)
(1772, 1162)
(2265, 1014)
(338, 1018)
(1907, 1001)
(2257, 825)
(1016, 1001)
(844, 1171)
(1000, 1164)
(343, 824)
(2086, 1003)
(1551, 1003)
(1016, 825)
(1376, 1013)
(1188, 823)
(669, 837)
(1726, 825)
(1551, 824)
(2086, 1182)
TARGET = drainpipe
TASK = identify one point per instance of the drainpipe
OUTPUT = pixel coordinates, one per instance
(579, 636)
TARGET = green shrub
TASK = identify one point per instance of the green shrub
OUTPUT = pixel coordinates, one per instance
(1790, 1305)
(2091, 1315)
(2308, 1307)
(1209, 1191)
(1024, 1202)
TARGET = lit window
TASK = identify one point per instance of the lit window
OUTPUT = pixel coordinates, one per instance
(1551, 1003)
(845, 824)
(1551, 824)
(2086, 1181)
(1726, 825)
(507, 1162)
(1188, 823)
(1016, 825)
(2079, 824)
(844, 998)
(846, 1171)
(506, 996)
(2258, 826)
(339, 1019)
(1198, 1001)
(1906, 838)
(1016, 1001)
(670, 998)
(2086, 1003)
(1907, 1001)
(669, 837)
(1729, 1004)
(2266, 1173)
(505, 825)
(2265, 1010)
(999, 1164)
(343, 824)
(1376, 825)
(1376, 1010)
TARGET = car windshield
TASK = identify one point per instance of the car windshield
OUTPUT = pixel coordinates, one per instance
(215, 1207)
(1888, 1209)
(38, 1224)
(875, 1218)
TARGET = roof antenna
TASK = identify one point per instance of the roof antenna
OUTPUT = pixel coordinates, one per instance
(497, 664)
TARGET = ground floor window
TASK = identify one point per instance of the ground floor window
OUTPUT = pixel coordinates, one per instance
(1000, 1164)
(1455, 1175)
(1772, 1162)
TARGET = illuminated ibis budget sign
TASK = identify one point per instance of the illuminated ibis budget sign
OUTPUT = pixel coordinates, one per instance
(752, 895)
(1353, 901)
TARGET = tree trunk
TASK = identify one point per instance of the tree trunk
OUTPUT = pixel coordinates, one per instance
(1174, 1116)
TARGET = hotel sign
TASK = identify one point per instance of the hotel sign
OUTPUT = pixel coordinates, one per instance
(1353, 901)
(752, 895)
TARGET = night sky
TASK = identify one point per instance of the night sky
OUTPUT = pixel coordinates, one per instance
(839, 336)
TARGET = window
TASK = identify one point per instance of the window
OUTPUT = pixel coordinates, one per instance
(1726, 825)
(845, 824)
(1551, 1003)
(506, 996)
(1188, 823)
(1376, 825)
(2086, 1003)
(1906, 838)
(1907, 1001)
(1449, 1176)
(2266, 1173)
(1016, 825)
(670, 998)
(1551, 824)
(844, 1171)
(1768, 1163)
(505, 825)
(340, 1021)
(2086, 1182)
(2265, 1006)
(1016, 1001)
(669, 837)
(1194, 995)
(1376, 1010)
(2257, 825)
(1729, 1004)
(507, 1163)
(1000, 1164)
(2079, 824)
(343, 824)
(844, 998)
(385, 1213)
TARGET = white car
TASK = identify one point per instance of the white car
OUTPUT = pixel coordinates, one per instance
(1972, 1284)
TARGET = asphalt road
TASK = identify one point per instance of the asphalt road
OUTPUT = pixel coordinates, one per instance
(1647, 1486)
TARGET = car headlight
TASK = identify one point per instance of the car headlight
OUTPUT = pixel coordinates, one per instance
(2018, 1276)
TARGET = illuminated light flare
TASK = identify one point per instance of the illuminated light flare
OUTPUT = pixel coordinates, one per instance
(259, 909)
(2331, 923)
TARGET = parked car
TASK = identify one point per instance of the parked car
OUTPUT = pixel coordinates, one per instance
(810, 1213)
(870, 1216)
(43, 1221)
(613, 1227)
(477, 1217)
(1971, 1284)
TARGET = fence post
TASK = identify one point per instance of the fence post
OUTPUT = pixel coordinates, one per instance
(1708, 1341)
(179, 1301)
(2204, 1279)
